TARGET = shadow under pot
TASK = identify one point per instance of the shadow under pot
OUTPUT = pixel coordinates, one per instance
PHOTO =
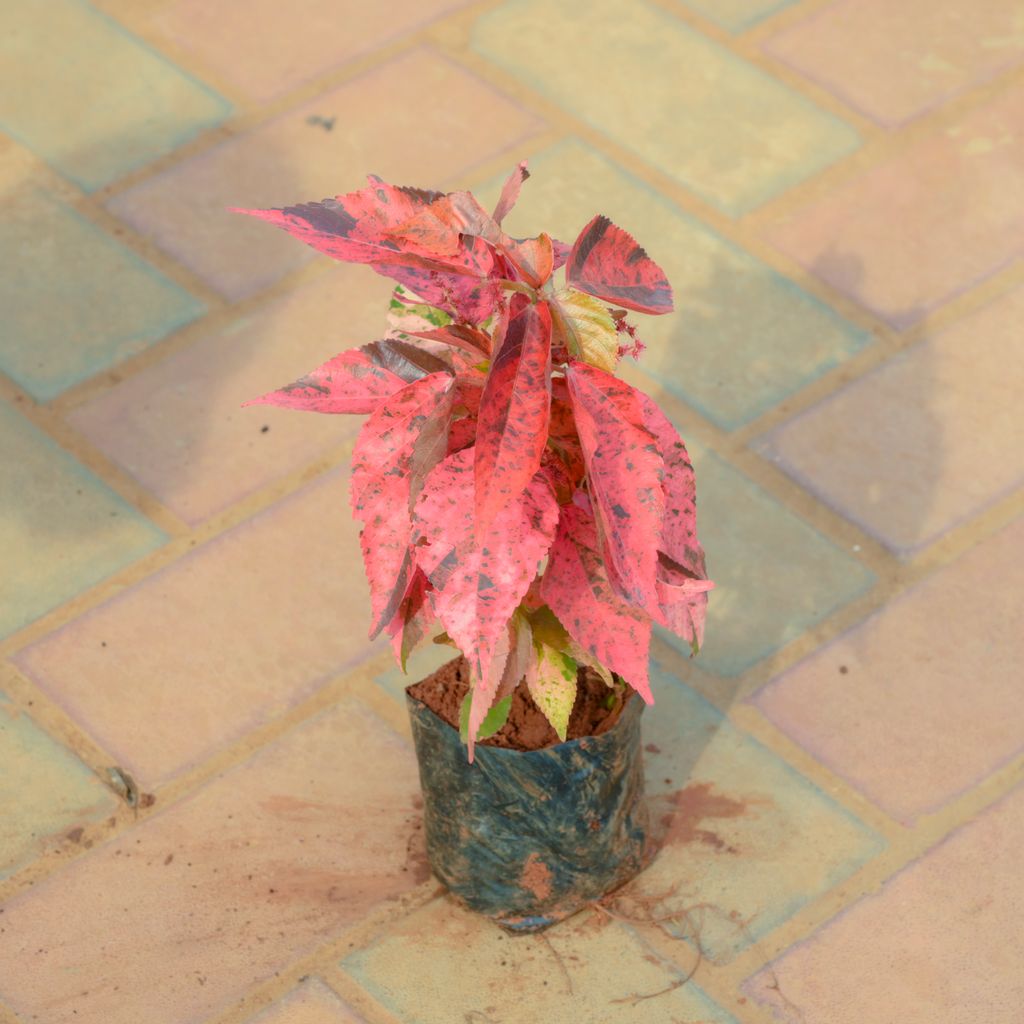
(528, 837)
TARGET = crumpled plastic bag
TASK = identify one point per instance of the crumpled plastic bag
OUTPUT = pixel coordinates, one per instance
(528, 838)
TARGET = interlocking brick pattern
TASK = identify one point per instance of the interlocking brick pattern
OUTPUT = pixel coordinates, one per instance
(209, 800)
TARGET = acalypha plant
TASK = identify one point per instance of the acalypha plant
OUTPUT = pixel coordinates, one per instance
(508, 483)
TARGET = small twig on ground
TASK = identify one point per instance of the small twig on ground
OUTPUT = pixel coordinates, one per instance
(561, 964)
(650, 903)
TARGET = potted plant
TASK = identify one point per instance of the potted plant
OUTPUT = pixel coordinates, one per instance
(517, 495)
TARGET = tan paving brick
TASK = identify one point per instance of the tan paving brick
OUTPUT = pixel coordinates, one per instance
(175, 920)
(45, 792)
(225, 638)
(62, 530)
(267, 48)
(444, 964)
(942, 941)
(742, 838)
(178, 428)
(924, 442)
(924, 699)
(312, 1002)
(918, 229)
(893, 61)
(91, 99)
(417, 120)
(685, 104)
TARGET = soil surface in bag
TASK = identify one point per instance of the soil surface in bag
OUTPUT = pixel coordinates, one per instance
(526, 728)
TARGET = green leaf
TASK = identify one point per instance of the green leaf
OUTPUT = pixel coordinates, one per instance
(407, 313)
(552, 684)
(548, 630)
(492, 723)
(589, 327)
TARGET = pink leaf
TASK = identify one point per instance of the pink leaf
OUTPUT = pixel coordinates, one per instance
(353, 227)
(514, 410)
(510, 192)
(397, 447)
(607, 262)
(576, 587)
(682, 576)
(561, 253)
(470, 298)
(479, 581)
(413, 620)
(624, 470)
(356, 381)
(462, 336)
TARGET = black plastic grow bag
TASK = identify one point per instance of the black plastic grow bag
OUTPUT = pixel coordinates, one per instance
(528, 838)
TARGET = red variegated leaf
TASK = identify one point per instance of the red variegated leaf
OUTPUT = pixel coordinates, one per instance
(353, 227)
(470, 296)
(533, 258)
(414, 619)
(397, 447)
(520, 654)
(682, 576)
(575, 586)
(625, 472)
(561, 253)
(479, 580)
(356, 381)
(510, 192)
(514, 411)
(463, 336)
(462, 434)
(607, 262)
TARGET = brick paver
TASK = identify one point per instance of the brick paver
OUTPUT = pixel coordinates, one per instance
(367, 126)
(62, 528)
(896, 61)
(646, 80)
(947, 672)
(46, 793)
(835, 190)
(914, 231)
(941, 941)
(255, 45)
(227, 637)
(223, 889)
(440, 947)
(178, 424)
(90, 98)
(312, 1002)
(75, 300)
(775, 575)
(747, 840)
(939, 434)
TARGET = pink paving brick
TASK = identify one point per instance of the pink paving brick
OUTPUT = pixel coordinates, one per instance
(918, 229)
(266, 47)
(939, 433)
(942, 943)
(417, 120)
(924, 699)
(224, 639)
(178, 428)
(312, 1002)
(893, 61)
(174, 921)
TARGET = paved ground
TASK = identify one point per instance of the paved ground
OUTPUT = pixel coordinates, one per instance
(836, 191)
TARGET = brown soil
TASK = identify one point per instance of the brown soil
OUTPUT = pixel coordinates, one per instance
(526, 728)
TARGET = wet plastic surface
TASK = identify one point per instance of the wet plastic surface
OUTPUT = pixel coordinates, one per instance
(528, 838)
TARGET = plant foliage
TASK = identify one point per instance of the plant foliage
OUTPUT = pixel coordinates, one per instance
(510, 486)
